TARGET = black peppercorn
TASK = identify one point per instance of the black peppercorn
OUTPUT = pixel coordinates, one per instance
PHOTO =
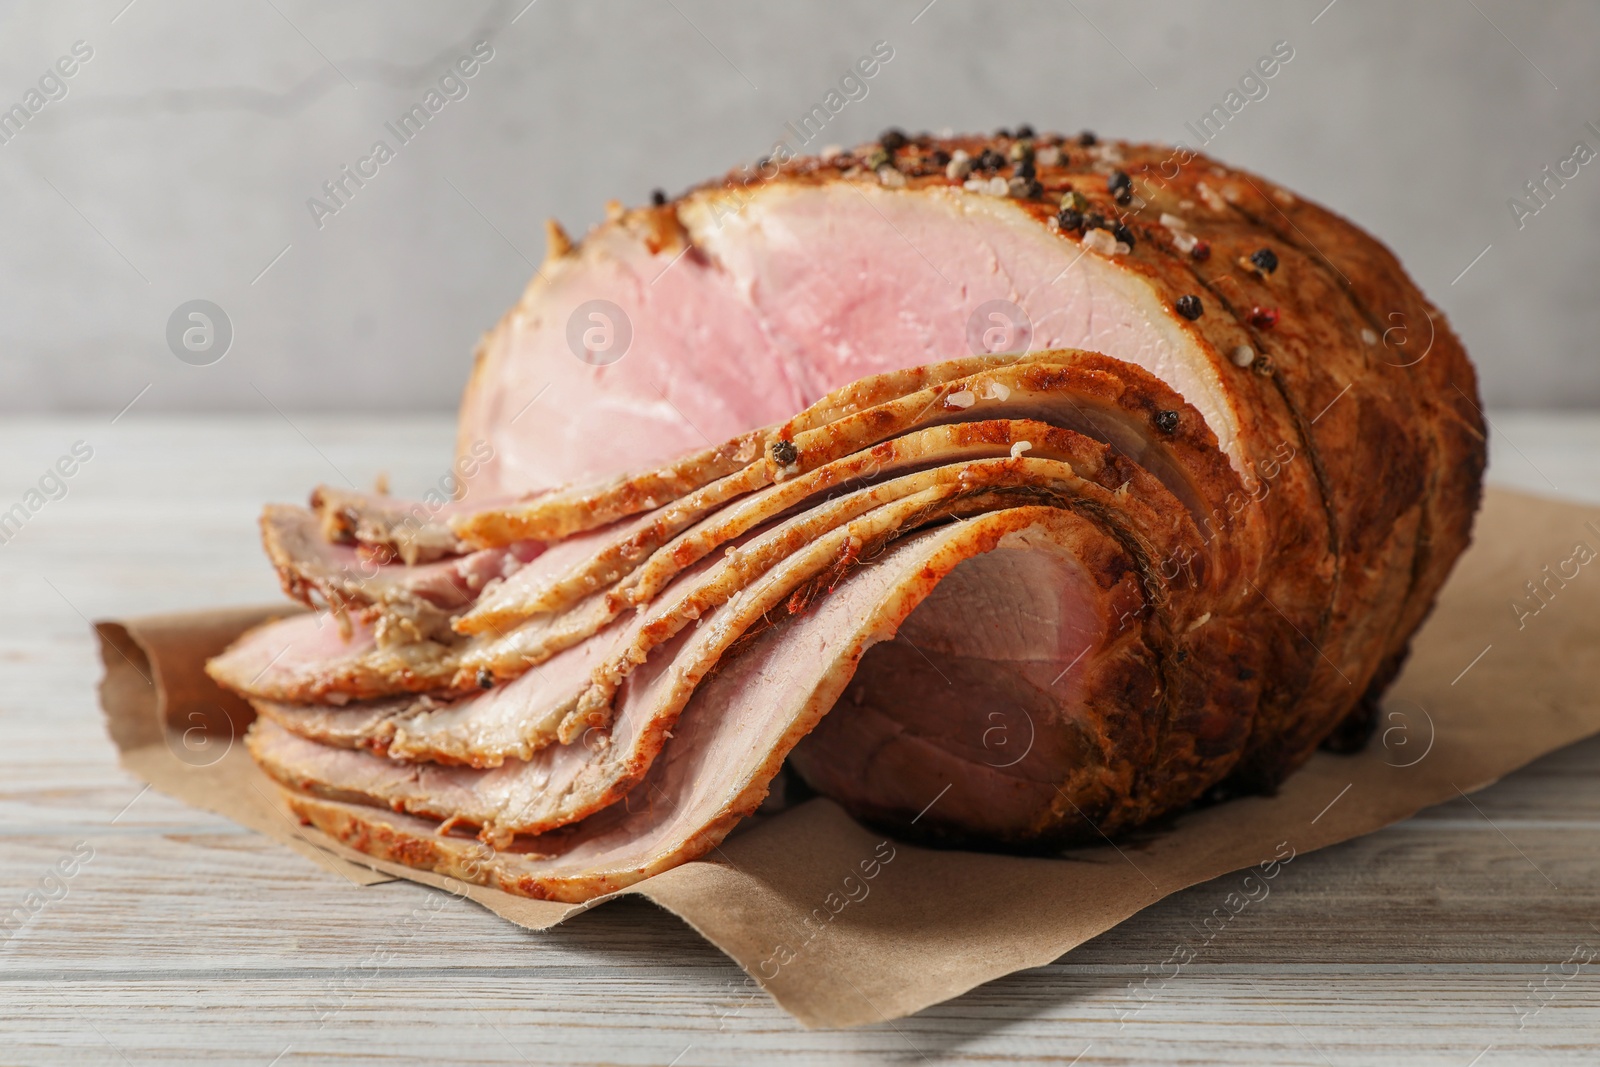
(1123, 234)
(1070, 219)
(1024, 170)
(658, 197)
(1086, 138)
(1120, 186)
(785, 453)
(1265, 260)
(989, 159)
(1002, 132)
(1024, 130)
(1190, 307)
(1092, 221)
(1167, 421)
(893, 139)
(485, 678)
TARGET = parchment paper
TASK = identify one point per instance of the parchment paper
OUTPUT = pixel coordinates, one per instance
(843, 927)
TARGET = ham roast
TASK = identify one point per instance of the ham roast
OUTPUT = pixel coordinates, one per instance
(1012, 492)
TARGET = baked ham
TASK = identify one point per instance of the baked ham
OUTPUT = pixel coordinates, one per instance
(1081, 481)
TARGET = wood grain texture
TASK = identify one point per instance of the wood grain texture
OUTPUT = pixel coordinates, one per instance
(188, 939)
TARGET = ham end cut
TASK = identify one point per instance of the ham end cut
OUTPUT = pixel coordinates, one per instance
(1004, 520)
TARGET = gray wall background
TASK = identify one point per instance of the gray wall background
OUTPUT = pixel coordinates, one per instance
(179, 163)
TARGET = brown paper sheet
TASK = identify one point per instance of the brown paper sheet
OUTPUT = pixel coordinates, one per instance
(843, 927)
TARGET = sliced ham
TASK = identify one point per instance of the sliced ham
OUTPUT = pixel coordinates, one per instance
(1220, 412)
(734, 735)
(481, 730)
(646, 682)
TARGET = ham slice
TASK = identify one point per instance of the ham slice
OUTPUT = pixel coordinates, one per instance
(403, 602)
(734, 735)
(482, 730)
(1222, 489)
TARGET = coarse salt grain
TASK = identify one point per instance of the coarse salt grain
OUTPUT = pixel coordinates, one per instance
(959, 167)
(1173, 222)
(1368, 336)
(830, 152)
(1184, 242)
(1243, 356)
(997, 391)
(1048, 156)
(963, 399)
(1101, 241)
(1020, 447)
(891, 178)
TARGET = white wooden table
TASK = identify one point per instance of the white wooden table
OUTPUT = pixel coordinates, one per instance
(186, 938)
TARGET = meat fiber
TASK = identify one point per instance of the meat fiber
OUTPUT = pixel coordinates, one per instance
(1082, 481)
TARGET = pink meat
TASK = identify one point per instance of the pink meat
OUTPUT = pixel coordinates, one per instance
(552, 418)
(980, 692)
(805, 289)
